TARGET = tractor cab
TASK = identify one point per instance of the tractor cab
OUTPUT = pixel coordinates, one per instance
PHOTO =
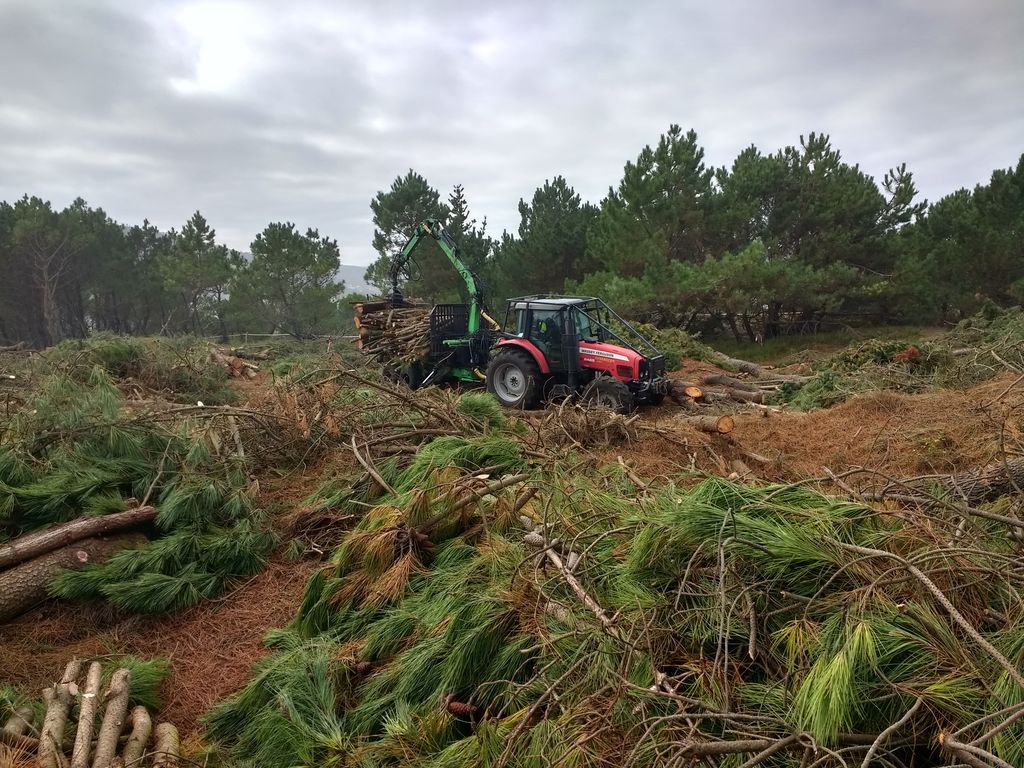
(558, 343)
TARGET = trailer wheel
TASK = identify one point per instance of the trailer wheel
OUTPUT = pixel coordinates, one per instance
(609, 393)
(410, 375)
(514, 378)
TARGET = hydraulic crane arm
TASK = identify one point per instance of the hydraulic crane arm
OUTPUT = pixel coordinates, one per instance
(432, 228)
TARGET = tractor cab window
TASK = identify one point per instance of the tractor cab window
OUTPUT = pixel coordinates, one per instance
(546, 333)
(583, 327)
(521, 319)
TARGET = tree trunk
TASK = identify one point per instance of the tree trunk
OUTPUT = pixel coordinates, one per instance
(58, 702)
(142, 727)
(684, 390)
(87, 707)
(740, 365)
(26, 585)
(48, 302)
(721, 380)
(988, 483)
(772, 327)
(749, 328)
(745, 395)
(19, 722)
(721, 425)
(40, 542)
(113, 718)
(167, 746)
(730, 318)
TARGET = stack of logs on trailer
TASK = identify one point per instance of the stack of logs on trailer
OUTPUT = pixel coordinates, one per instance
(392, 334)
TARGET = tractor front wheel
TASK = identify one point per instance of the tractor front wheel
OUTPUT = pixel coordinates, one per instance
(609, 393)
(514, 378)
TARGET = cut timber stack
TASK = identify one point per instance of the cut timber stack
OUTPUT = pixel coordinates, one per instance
(235, 366)
(393, 334)
(122, 738)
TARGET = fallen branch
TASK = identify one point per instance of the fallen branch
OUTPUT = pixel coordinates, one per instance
(58, 702)
(970, 754)
(743, 366)
(142, 726)
(729, 382)
(385, 486)
(113, 718)
(88, 704)
(39, 543)
(941, 598)
(18, 740)
(721, 425)
(167, 746)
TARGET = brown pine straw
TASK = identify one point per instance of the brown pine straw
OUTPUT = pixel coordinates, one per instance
(212, 647)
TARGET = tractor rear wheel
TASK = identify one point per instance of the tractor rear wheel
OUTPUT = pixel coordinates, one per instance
(609, 393)
(514, 378)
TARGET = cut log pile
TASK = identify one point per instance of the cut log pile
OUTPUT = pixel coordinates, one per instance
(754, 385)
(236, 366)
(101, 732)
(393, 334)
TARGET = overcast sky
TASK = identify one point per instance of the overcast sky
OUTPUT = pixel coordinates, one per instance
(302, 110)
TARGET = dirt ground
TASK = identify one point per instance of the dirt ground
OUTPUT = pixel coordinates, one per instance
(900, 435)
(211, 647)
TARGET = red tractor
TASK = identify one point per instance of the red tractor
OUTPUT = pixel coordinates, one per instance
(549, 346)
(560, 345)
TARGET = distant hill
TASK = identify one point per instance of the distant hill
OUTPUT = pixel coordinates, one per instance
(353, 277)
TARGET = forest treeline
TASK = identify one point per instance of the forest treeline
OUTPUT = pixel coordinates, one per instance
(773, 244)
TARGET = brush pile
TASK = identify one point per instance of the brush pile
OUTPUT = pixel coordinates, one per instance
(151, 510)
(93, 719)
(490, 610)
(393, 334)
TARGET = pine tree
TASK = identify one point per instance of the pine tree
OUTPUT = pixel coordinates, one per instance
(396, 214)
(290, 282)
(551, 244)
(199, 270)
(657, 213)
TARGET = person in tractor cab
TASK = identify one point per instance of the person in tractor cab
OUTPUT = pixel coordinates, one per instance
(547, 335)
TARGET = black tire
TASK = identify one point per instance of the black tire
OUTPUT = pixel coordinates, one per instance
(514, 378)
(655, 398)
(412, 375)
(610, 393)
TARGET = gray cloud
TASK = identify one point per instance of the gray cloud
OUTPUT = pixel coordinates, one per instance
(262, 111)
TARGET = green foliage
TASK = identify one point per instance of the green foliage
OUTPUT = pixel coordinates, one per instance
(818, 637)
(396, 214)
(173, 572)
(289, 284)
(549, 246)
(177, 368)
(147, 675)
(823, 391)
(199, 271)
(74, 451)
(483, 407)
(657, 213)
(675, 344)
